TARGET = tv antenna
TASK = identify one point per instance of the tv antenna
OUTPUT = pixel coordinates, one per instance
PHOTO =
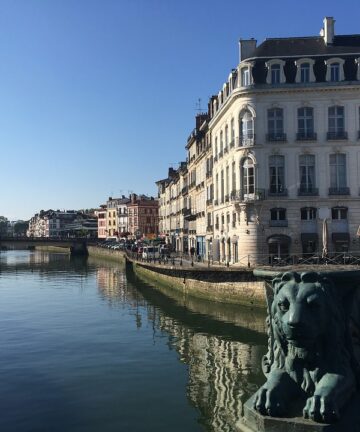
(198, 106)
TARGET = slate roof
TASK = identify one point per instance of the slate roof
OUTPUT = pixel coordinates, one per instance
(307, 46)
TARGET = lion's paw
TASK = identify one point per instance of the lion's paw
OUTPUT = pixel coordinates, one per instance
(321, 409)
(269, 402)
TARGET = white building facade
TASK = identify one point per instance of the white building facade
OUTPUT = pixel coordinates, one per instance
(285, 139)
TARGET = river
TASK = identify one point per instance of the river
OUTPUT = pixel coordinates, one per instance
(87, 346)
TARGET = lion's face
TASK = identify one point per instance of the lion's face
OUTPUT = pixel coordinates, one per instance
(299, 311)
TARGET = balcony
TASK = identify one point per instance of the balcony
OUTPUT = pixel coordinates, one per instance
(247, 140)
(278, 223)
(304, 191)
(192, 184)
(184, 190)
(339, 191)
(209, 202)
(276, 137)
(210, 228)
(338, 135)
(306, 136)
(216, 202)
(273, 192)
(208, 174)
(239, 196)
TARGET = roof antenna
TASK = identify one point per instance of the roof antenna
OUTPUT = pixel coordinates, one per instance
(198, 106)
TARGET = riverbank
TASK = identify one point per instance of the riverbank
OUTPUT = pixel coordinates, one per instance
(224, 285)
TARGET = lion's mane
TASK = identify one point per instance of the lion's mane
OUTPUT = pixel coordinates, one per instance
(335, 341)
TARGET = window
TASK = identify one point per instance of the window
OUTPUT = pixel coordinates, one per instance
(307, 173)
(222, 187)
(335, 72)
(232, 133)
(248, 177)
(278, 214)
(246, 128)
(227, 182)
(275, 74)
(336, 118)
(305, 73)
(339, 213)
(226, 137)
(335, 69)
(233, 186)
(337, 172)
(305, 123)
(221, 143)
(276, 124)
(277, 174)
(308, 213)
(245, 77)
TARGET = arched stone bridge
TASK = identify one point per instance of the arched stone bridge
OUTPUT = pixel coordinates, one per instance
(77, 246)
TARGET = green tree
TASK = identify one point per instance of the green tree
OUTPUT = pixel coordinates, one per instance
(3, 225)
(21, 227)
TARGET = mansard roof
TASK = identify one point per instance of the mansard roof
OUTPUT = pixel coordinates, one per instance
(307, 47)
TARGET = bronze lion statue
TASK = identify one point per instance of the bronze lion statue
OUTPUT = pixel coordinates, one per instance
(311, 358)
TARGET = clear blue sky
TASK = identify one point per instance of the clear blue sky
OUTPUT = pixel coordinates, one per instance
(98, 97)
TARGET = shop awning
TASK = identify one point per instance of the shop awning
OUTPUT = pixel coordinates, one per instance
(305, 237)
(279, 238)
(340, 237)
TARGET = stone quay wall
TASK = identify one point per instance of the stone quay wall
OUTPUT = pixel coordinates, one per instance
(224, 285)
(220, 285)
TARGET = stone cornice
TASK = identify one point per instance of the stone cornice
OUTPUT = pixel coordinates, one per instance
(263, 89)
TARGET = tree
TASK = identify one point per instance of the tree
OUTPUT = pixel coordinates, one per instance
(21, 227)
(3, 225)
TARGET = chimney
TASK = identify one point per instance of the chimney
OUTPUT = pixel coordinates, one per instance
(247, 48)
(199, 120)
(329, 30)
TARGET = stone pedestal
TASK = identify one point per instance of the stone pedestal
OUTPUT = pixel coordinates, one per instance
(255, 422)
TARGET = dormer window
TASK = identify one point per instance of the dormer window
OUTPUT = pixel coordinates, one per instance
(335, 70)
(305, 70)
(305, 73)
(245, 74)
(245, 77)
(357, 61)
(275, 72)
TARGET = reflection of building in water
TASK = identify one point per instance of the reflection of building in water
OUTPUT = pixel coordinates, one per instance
(113, 286)
(112, 283)
(222, 373)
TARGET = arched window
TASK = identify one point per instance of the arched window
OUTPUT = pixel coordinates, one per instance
(246, 122)
(248, 178)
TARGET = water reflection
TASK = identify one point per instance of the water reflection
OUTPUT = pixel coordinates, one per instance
(106, 351)
(222, 345)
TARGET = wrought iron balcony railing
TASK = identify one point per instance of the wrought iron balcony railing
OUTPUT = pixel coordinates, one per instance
(276, 136)
(338, 135)
(339, 191)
